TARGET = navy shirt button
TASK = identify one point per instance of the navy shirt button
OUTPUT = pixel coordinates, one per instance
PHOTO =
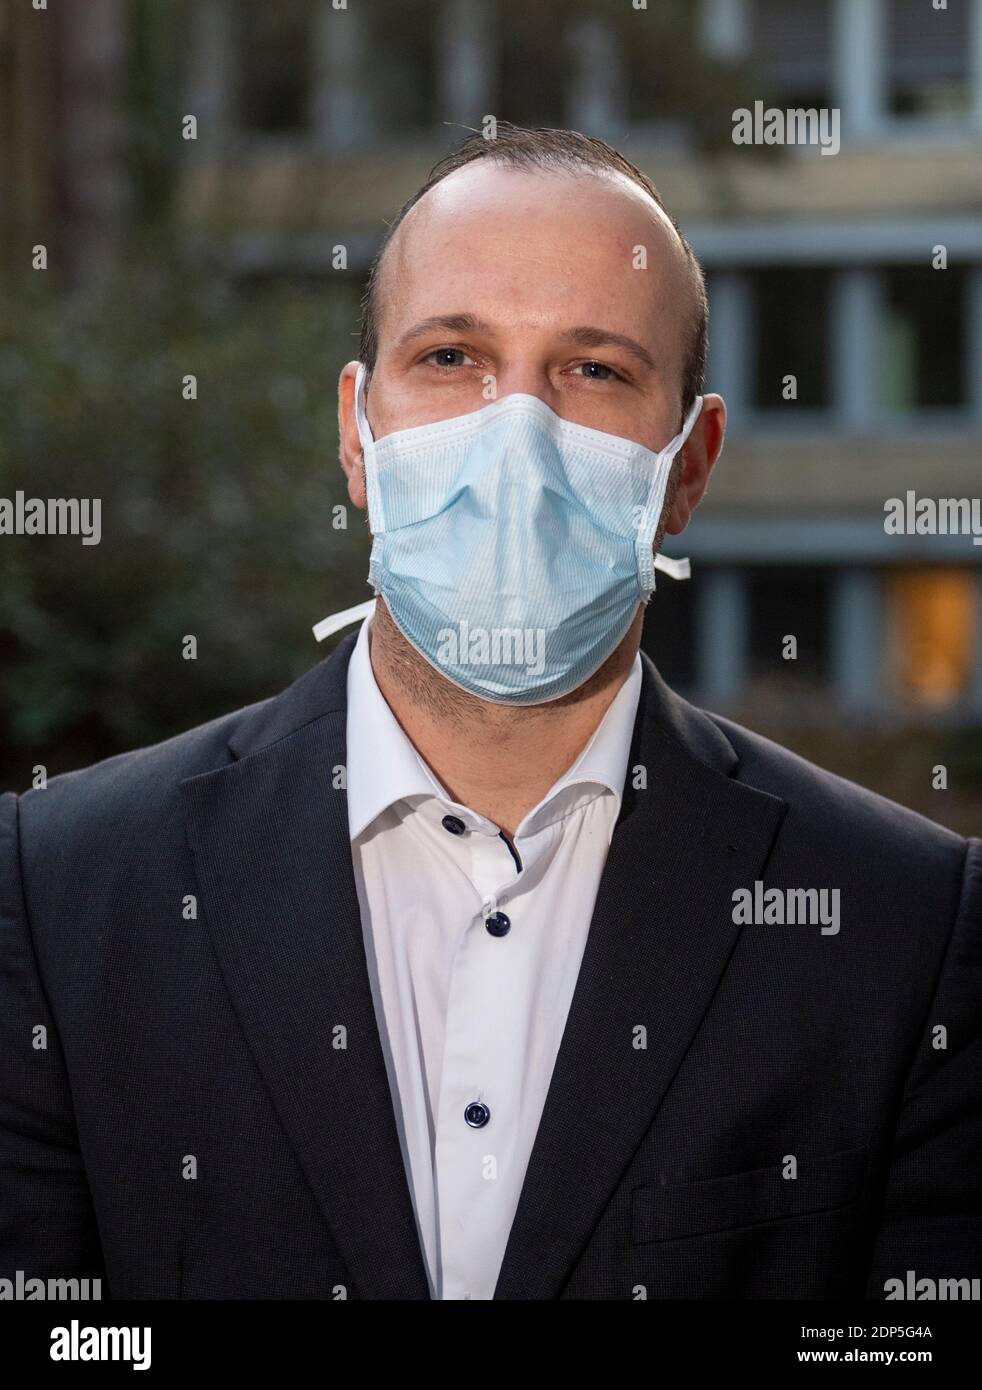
(477, 1114)
(454, 824)
(498, 924)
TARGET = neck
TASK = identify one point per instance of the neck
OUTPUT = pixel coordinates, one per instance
(500, 760)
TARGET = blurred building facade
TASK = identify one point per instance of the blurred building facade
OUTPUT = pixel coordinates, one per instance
(858, 275)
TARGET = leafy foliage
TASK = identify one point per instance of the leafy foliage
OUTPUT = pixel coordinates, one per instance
(217, 515)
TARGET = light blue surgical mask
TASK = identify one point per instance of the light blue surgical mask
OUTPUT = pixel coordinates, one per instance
(512, 547)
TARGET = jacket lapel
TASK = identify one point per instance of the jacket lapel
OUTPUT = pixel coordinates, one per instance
(660, 938)
(269, 836)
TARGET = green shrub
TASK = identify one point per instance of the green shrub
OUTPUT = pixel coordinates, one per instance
(217, 512)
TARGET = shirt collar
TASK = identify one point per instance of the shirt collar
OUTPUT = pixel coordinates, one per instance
(384, 766)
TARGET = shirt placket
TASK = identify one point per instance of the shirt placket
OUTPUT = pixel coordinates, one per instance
(473, 1116)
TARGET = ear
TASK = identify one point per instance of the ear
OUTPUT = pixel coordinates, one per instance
(350, 451)
(699, 452)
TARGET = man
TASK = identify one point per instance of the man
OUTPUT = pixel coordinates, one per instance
(464, 969)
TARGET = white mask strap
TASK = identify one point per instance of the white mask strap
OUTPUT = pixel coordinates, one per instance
(683, 434)
(679, 569)
(361, 419)
(345, 618)
(675, 569)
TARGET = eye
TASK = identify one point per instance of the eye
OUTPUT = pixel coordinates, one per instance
(598, 371)
(436, 354)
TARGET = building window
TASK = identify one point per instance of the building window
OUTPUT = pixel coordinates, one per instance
(275, 49)
(930, 636)
(532, 88)
(663, 72)
(791, 333)
(791, 43)
(790, 601)
(401, 40)
(922, 347)
(928, 58)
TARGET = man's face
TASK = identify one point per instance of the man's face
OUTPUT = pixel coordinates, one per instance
(501, 280)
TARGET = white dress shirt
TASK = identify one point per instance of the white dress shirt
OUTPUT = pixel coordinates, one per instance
(471, 1021)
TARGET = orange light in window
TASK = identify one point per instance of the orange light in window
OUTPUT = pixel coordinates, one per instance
(934, 617)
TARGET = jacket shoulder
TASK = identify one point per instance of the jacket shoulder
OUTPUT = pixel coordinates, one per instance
(830, 808)
(130, 805)
(102, 805)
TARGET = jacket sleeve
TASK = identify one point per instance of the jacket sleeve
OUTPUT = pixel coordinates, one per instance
(47, 1222)
(932, 1215)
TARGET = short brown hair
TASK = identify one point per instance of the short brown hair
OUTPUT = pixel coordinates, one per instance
(520, 147)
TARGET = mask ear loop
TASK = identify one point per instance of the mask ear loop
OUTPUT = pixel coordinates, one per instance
(681, 568)
(336, 621)
(376, 516)
(361, 419)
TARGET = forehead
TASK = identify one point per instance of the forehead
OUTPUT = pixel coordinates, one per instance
(535, 246)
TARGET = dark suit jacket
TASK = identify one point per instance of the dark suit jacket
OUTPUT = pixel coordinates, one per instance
(212, 1040)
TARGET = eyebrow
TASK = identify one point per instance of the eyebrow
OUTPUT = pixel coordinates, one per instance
(450, 323)
(585, 336)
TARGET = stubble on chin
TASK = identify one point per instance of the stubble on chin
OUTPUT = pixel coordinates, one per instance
(442, 701)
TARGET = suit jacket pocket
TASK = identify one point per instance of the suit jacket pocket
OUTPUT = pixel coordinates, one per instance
(675, 1210)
